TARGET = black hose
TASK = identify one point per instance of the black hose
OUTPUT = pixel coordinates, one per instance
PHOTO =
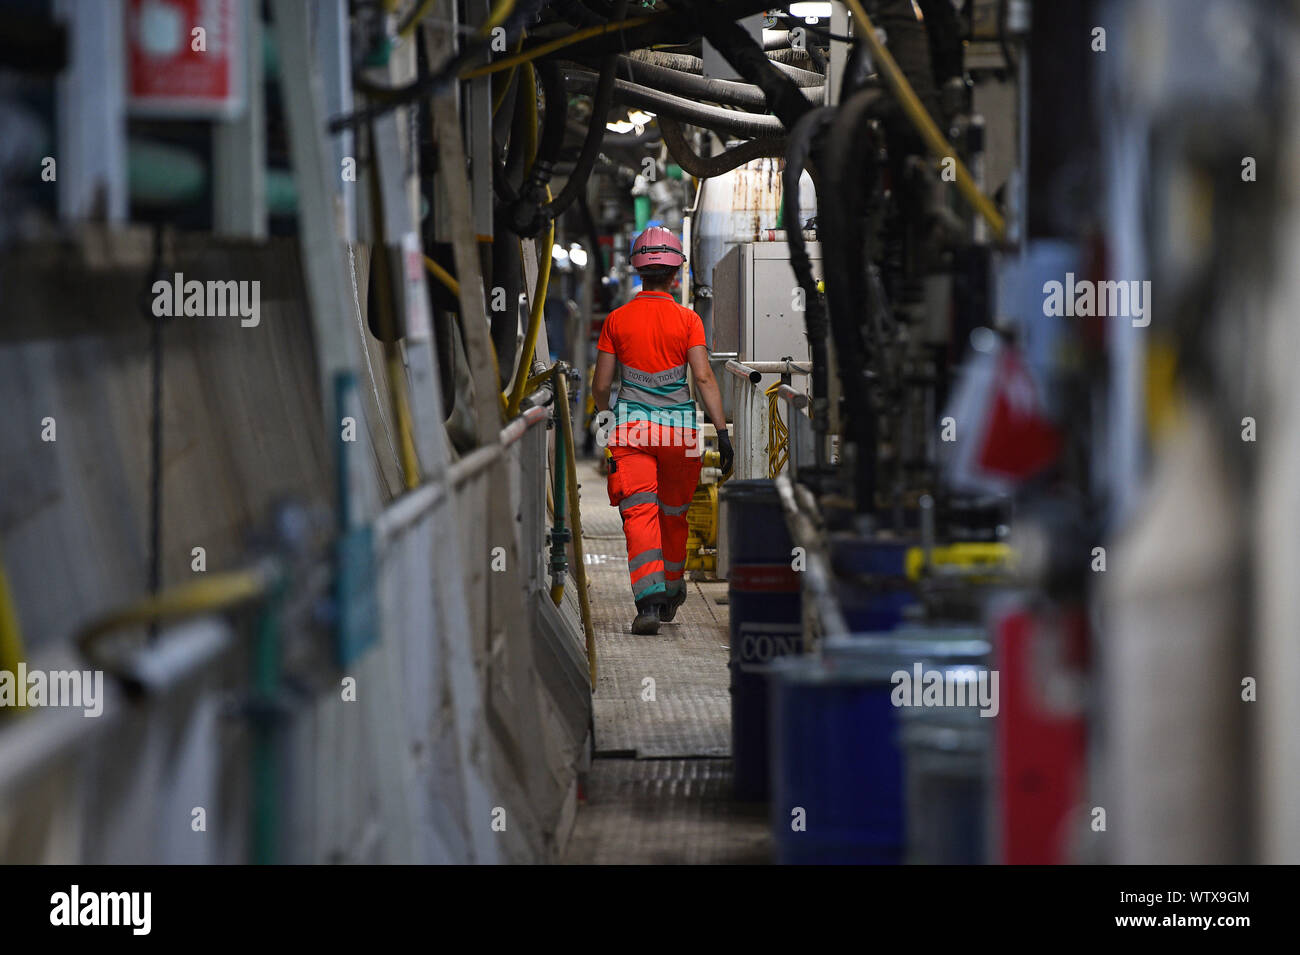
(604, 98)
(525, 204)
(557, 109)
(944, 32)
(851, 173)
(747, 58)
(909, 44)
(809, 126)
(706, 167)
(507, 276)
(730, 122)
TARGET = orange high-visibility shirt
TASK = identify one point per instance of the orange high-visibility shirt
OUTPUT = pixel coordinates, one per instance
(649, 336)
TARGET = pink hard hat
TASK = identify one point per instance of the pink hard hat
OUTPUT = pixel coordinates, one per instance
(657, 246)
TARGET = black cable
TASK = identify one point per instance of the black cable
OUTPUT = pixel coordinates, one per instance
(706, 167)
(825, 32)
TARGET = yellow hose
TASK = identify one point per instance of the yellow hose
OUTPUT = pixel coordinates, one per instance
(500, 11)
(11, 638)
(215, 592)
(523, 373)
(585, 34)
(503, 91)
(575, 523)
(402, 412)
(921, 120)
(443, 276)
(497, 17)
(413, 21)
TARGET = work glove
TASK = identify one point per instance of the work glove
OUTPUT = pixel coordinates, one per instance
(726, 455)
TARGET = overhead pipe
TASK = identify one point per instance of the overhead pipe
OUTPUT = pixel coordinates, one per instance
(726, 92)
(685, 63)
(733, 122)
(706, 167)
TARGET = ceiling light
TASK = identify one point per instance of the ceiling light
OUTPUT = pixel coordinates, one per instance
(811, 12)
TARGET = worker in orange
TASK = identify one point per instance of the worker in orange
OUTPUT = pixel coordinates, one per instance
(655, 450)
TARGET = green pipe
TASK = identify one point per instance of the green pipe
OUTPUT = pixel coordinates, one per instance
(159, 174)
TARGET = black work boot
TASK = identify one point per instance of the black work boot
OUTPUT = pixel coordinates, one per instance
(675, 600)
(647, 617)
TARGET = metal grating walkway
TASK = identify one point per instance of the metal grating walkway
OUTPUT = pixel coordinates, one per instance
(660, 788)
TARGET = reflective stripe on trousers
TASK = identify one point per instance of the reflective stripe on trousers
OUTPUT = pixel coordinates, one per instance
(653, 487)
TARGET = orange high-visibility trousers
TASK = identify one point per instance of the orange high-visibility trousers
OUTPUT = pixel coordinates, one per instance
(652, 483)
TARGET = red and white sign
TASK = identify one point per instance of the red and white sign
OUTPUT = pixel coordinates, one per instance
(1003, 433)
(185, 58)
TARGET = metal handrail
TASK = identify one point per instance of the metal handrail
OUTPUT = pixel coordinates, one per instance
(796, 398)
(743, 371)
(817, 571)
(408, 508)
(785, 367)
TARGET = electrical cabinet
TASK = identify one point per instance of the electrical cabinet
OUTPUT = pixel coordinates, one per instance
(758, 304)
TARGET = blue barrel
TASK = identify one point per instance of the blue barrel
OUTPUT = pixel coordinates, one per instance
(871, 581)
(766, 620)
(838, 770)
